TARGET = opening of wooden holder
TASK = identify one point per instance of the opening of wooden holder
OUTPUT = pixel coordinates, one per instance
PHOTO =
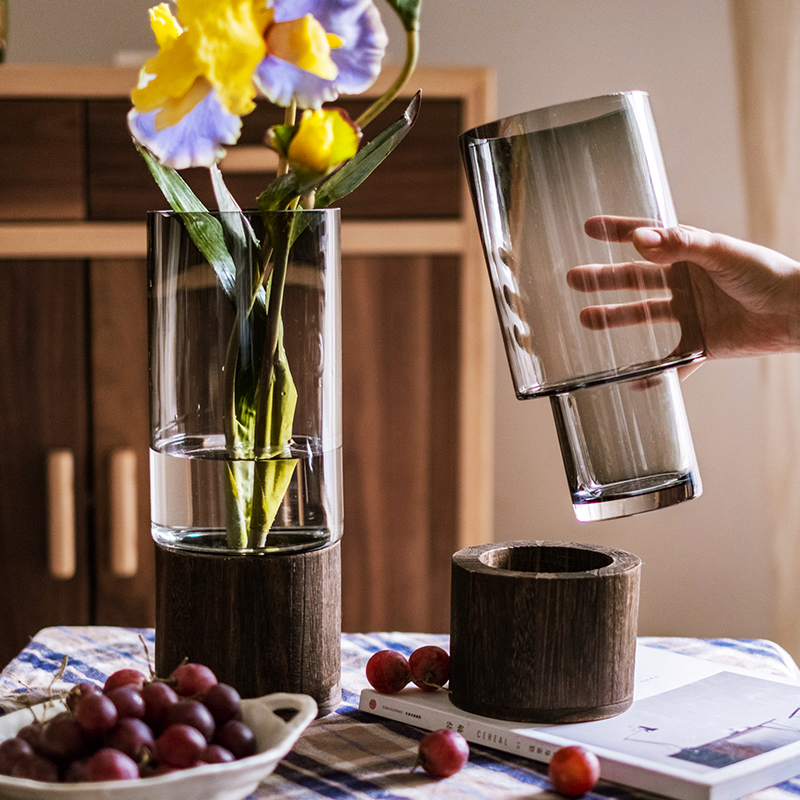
(263, 623)
(543, 631)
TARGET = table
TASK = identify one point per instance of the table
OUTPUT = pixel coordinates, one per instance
(351, 754)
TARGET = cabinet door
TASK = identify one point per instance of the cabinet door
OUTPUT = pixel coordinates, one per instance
(124, 564)
(43, 410)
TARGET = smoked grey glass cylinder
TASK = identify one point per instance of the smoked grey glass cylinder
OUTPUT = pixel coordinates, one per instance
(536, 179)
(214, 319)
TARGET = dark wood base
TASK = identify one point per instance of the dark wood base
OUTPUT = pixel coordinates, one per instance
(543, 631)
(263, 623)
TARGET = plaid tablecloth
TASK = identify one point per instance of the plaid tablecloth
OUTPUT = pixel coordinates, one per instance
(351, 754)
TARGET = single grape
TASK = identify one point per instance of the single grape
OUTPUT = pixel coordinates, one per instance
(11, 750)
(130, 736)
(224, 702)
(430, 667)
(180, 746)
(79, 689)
(31, 733)
(388, 671)
(236, 737)
(128, 701)
(124, 677)
(573, 771)
(96, 714)
(35, 768)
(108, 764)
(192, 679)
(63, 740)
(217, 754)
(442, 753)
(190, 712)
(157, 698)
(76, 771)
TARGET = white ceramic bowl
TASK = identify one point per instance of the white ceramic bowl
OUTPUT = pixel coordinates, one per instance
(232, 781)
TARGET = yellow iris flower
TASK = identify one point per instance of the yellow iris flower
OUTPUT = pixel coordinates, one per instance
(216, 44)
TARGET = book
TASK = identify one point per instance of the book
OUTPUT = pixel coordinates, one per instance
(697, 729)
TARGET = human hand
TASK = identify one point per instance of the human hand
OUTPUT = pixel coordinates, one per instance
(747, 296)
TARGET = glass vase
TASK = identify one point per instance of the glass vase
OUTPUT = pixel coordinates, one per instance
(246, 461)
(245, 384)
(536, 179)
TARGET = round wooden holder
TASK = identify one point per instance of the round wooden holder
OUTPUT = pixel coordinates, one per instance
(264, 624)
(543, 631)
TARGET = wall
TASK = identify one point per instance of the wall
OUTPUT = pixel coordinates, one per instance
(708, 562)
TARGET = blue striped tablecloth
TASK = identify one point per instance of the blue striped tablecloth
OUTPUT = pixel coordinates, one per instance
(351, 754)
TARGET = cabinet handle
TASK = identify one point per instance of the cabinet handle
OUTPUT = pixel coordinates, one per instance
(124, 524)
(61, 513)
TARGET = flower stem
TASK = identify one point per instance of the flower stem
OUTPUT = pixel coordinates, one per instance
(289, 118)
(412, 53)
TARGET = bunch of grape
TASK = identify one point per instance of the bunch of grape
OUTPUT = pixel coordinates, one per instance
(133, 728)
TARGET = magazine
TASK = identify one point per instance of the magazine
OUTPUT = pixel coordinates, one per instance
(697, 730)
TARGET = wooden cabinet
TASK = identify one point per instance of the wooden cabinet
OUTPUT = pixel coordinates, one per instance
(417, 332)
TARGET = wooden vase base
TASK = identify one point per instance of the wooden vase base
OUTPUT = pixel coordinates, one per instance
(264, 624)
(543, 631)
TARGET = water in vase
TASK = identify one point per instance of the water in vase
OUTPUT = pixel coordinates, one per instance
(189, 506)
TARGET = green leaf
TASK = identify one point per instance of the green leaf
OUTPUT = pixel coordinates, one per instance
(408, 11)
(205, 230)
(280, 193)
(364, 163)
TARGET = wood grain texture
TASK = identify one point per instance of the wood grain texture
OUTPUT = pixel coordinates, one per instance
(120, 409)
(543, 631)
(400, 363)
(262, 623)
(41, 159)
(43, 407)
(421, 179)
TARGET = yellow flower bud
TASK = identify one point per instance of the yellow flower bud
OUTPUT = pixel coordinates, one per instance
(324, 139)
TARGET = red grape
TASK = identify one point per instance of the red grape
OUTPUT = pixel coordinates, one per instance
(31, 733)
(190, 712)
(443, 753)
(128, 701)
(430, 667)
(157, 698)
(130, 736)
(11, 750)
(236, 737)
(108, 764)
(63, 739)
(217, 754)
(36, 768)
(124, 677)
(76, 771)
(80, 689)
(573, 771)
(95, 713)
(223, 702)
(191, 679)
(180, 746)
(388, 671)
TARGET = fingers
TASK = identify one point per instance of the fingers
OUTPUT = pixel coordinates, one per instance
(669, 245)
(599, 318)
(608, 228)
(637, 275)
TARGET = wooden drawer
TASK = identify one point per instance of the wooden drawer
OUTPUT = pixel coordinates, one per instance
(41, 159)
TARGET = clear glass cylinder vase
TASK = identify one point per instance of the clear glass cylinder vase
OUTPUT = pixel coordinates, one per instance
(556, 189)
(245, 380)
